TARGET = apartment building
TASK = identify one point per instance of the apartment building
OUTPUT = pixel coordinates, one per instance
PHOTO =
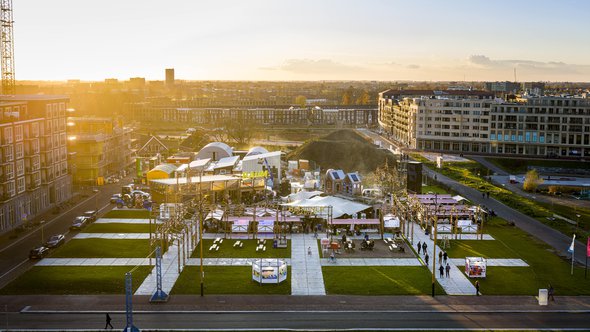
(99, 146)
(348, 116)
(33, 157)
(475, 122)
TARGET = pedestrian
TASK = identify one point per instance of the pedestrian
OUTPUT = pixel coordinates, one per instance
(488, 194)
(309, 251)
(424, 246)
(419, 247)
(445, 256)
(108, 323)
(550, 293)
(483, 195)
(426, 258)
(477, 287)
(448, 270)
(440, 256)
(441, 269)
(332, 257)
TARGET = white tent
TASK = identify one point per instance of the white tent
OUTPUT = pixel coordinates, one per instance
(339, 206)
(302, 195)
(265, 226)
(460, 198)
(240, 226)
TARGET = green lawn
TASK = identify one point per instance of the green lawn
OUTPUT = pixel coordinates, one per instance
(516, 166)
(247, 251)
(103, 248)
(227, 280)
(544, 265)
(119, 228)
(378, 280)
(434, 189)
(73, 280)
(128, 214)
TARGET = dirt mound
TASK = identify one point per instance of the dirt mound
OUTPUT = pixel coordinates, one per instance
(343, 149)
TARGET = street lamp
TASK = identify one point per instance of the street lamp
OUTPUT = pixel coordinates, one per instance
(435, 221)
(577, 221)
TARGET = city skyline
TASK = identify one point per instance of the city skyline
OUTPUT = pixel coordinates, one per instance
(329, 40)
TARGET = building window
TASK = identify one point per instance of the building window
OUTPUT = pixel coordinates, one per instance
(18, 133)
(20, 185)
(8, 135)
(20, 167)
(19, 150)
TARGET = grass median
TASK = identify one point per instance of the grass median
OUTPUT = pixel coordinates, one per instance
(118, 228)
(127, 214)
(379, 280)
(103, 248)
(227, 280)
(75, 280)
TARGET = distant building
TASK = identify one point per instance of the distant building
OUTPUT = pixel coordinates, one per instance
(33, 157)
(152, 147)
(334, 181)
(534, 88)
(475, 122)
(169, 77)
(101, 148)
(502, 87)
(353, 184)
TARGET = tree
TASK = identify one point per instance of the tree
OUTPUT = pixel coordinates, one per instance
(532, 180)
(301, 101)
(389, 179)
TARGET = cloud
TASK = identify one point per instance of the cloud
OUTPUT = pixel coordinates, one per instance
(413, 66)
(483, 61)
(310, 66)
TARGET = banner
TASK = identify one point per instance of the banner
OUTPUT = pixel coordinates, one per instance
(588, 248)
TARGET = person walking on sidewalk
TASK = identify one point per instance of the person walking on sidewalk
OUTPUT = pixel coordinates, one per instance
(441, 270)
(477, 287)
(550, 292)
(440, 256)
(426, 258)
(108, 323)
(308, 251)
(419, 247)
(424, 246)
(445, 256)
(448, 270)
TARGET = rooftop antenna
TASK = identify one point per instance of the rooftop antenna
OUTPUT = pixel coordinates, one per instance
(515, 75)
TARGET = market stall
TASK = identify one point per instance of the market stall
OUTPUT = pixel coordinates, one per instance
(266, 226)
(269, 271)
(475, 267)
(240, 226)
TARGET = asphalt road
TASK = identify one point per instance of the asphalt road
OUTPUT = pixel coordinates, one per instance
(14, 254)
(304, 320)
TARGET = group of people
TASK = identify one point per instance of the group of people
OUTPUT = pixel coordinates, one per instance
(444, 268)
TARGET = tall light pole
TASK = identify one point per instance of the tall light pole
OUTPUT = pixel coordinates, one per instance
(435, 221)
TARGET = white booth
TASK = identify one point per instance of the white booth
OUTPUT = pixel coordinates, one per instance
(269, 271)
(240, 226)
(475, 267)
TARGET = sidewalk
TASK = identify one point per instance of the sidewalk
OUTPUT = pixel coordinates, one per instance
(170, 273)
(457, 283)
(306, 270)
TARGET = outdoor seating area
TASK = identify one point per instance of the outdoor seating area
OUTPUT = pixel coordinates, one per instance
(238, 244)
(261, 245)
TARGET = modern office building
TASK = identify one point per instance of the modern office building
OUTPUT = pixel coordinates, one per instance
(475, 122)
(99, 148)
(33, 157)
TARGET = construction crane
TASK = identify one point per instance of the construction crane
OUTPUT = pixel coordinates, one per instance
(7, 47)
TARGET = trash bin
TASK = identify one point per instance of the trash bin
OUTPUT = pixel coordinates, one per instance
(543, 297)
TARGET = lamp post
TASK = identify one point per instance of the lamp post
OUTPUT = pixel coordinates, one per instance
(577, 221)
(435, 220)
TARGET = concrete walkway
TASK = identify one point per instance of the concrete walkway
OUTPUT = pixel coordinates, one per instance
(113, 236)
(371, 262)
(306, 270)
(93, 262)
(170, 274)
(457, 283)
(508, 262)
(122, 221)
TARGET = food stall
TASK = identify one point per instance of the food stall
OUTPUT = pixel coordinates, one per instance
(475, 267)
(269, 271)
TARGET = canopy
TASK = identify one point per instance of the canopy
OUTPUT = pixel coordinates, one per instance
(265, 226)
(302, 195)
(391, 222)
(339, 206)
(240, 226)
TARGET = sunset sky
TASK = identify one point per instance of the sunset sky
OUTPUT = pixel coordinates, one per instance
(303, 40)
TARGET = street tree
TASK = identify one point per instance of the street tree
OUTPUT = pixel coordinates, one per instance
(532, 180)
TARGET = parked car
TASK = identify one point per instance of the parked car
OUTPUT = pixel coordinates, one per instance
(115, 198)
(55, 241)
(38, 252)
(91, 215)
(141, 193)
(79, 223)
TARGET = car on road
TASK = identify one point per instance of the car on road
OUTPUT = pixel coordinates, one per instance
(115, 198)
(38, 252)
(143, 194)
(79, 223)
(91, 215)
(55, 241)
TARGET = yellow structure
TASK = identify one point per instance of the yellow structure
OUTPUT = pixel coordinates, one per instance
(163, 171)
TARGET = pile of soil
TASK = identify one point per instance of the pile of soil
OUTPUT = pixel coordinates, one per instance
(343, 149)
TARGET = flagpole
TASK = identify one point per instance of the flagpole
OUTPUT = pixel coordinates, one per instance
(572, 249)
(572, 262)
